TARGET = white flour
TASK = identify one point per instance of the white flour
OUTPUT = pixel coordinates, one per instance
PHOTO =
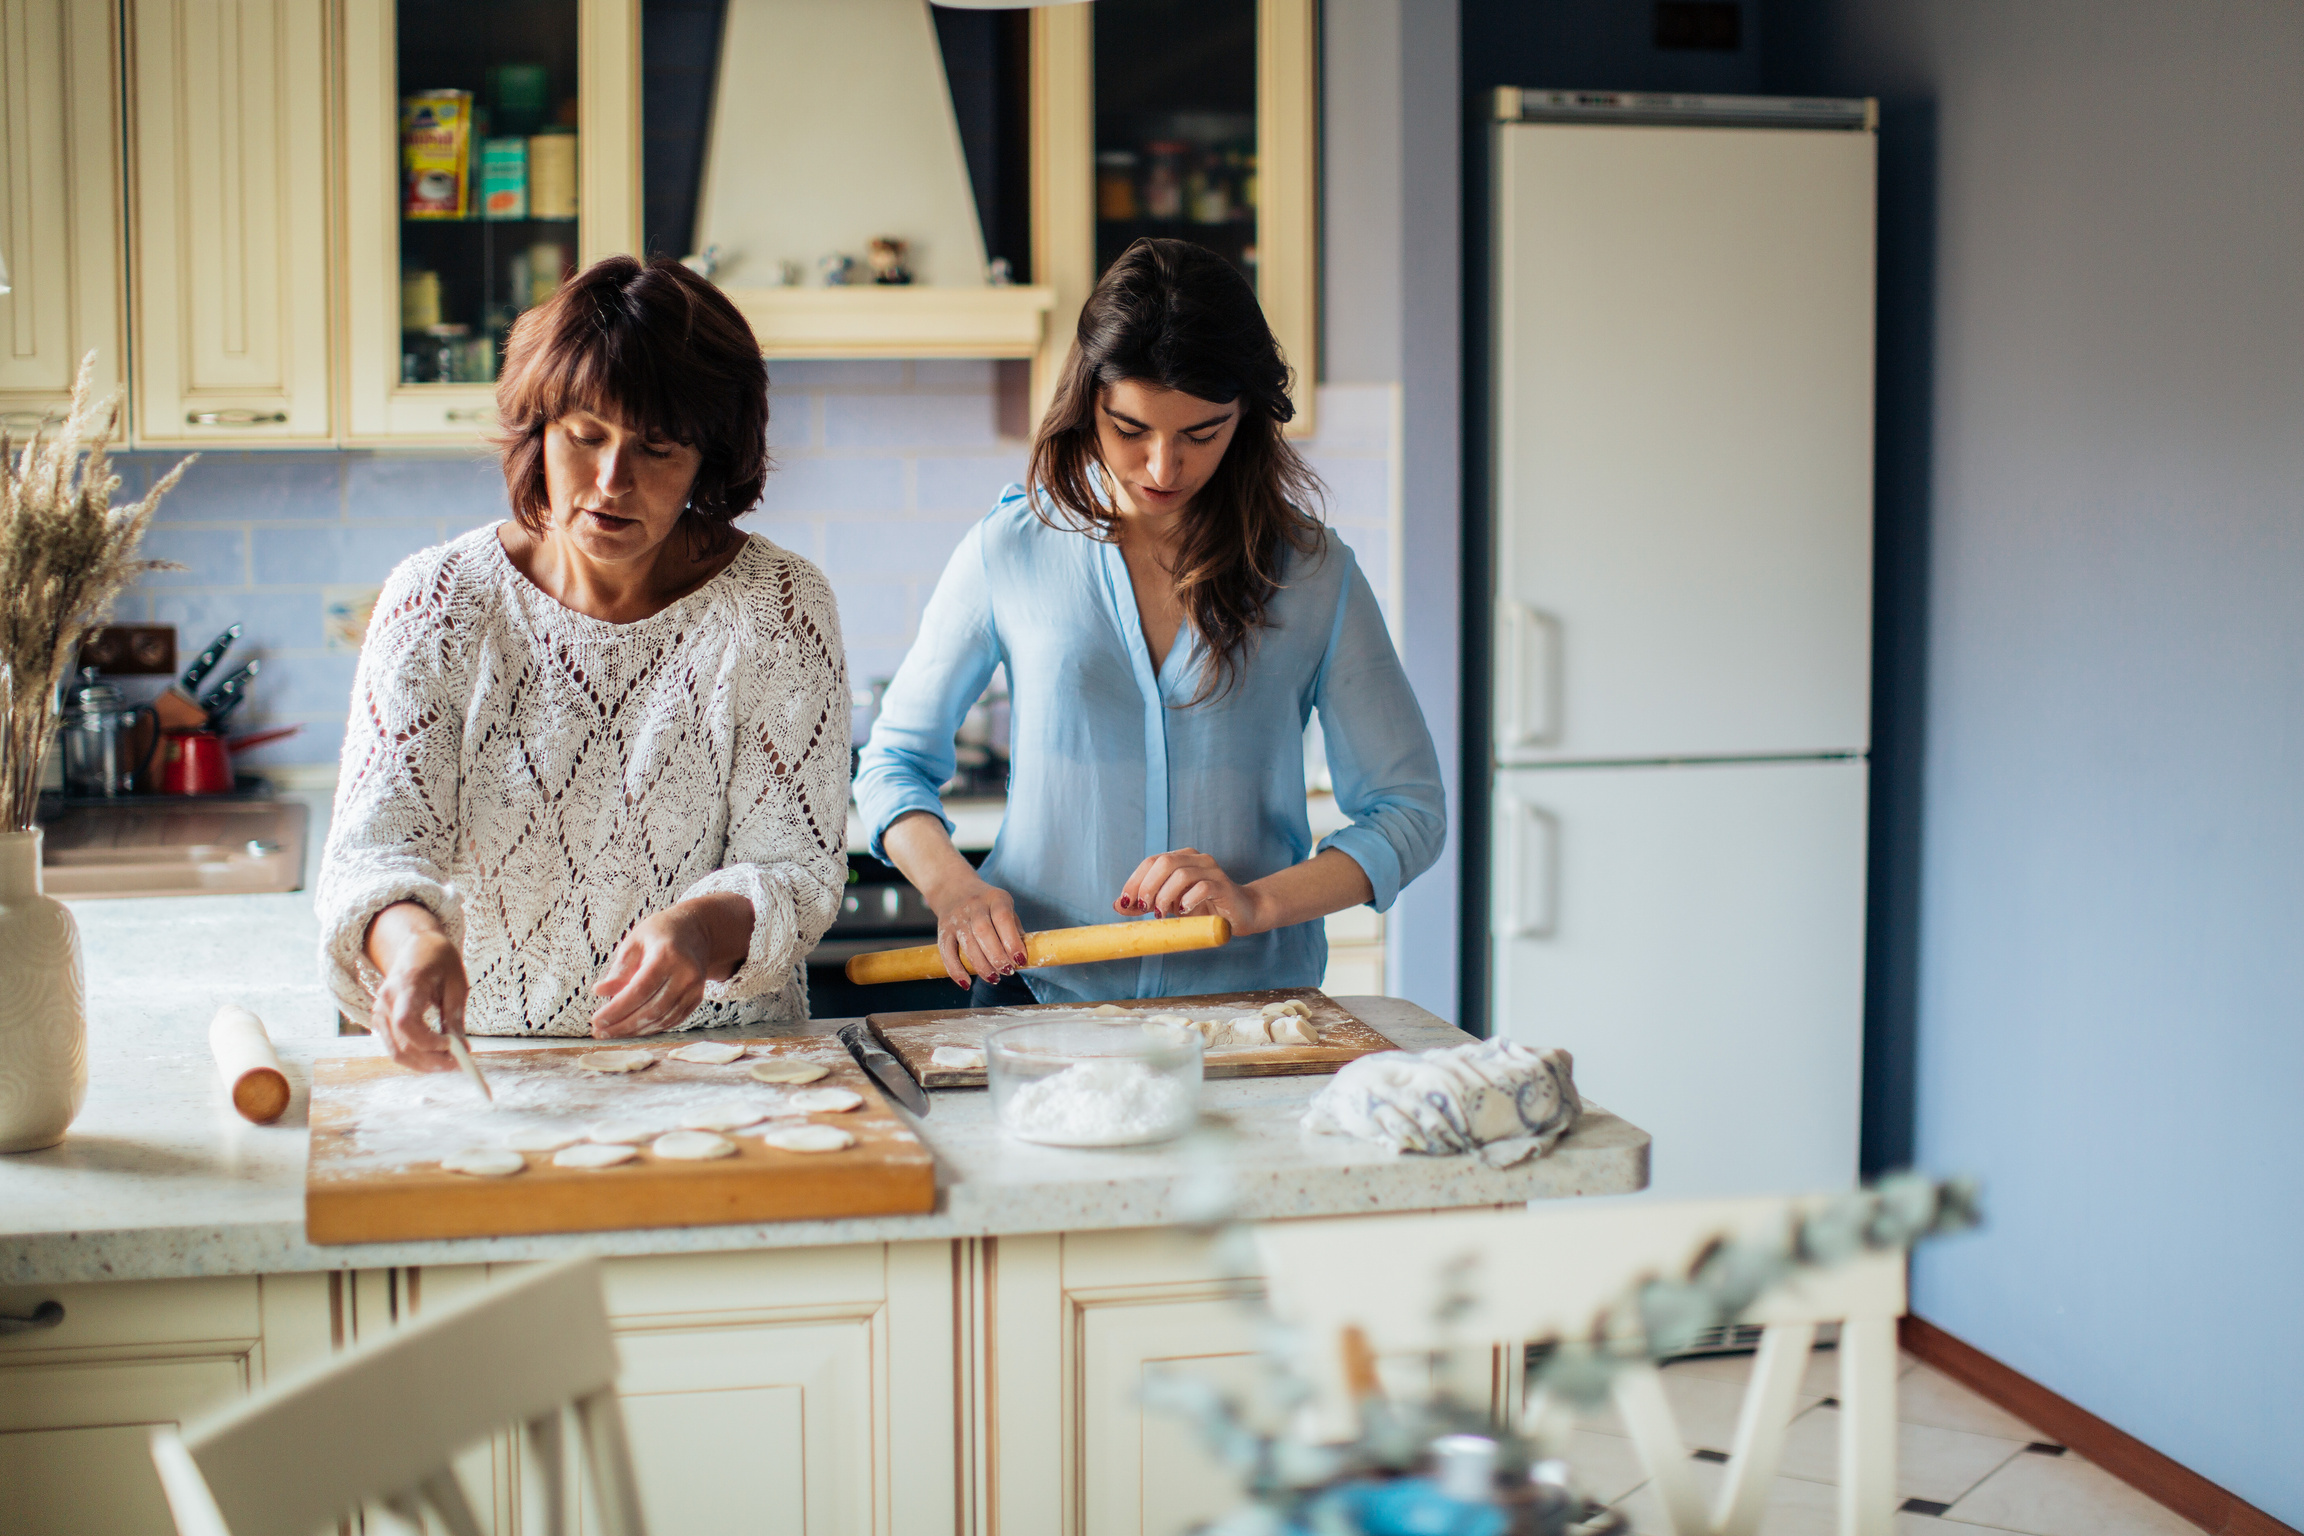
(1099, 1104)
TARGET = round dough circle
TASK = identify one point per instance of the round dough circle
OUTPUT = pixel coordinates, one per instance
(824, 1101)
(712, 1053)
(485, 1162)
(1107, 1008)
(1294, 1005)
(542, 1138)
(589, 1154)
(731, 1116)
(622, 1132)
(773, 1071)
(615, 1061)
(809, 1138)
(692, 1146)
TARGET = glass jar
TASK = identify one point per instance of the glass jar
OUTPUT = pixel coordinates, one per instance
(100, 740)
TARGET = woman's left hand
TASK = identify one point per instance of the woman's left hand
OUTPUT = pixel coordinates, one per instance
(1184, 882)
(656, 976)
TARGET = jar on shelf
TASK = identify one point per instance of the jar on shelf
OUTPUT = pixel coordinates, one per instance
(1116, 184)
(1164, 182)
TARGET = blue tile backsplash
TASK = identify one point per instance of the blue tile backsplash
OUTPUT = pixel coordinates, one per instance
(880, 467)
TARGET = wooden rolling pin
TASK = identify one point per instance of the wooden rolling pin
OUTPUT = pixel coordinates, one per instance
(1059, 946)
(251, 1068)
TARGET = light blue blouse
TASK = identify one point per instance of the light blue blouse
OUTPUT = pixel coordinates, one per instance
(1111, 762)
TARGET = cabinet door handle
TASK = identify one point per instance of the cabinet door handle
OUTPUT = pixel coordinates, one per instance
(49, 1314)
(1532, 659)
(1534, 872)
(237, 418)
(478, 413)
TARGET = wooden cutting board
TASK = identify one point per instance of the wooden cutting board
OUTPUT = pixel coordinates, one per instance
(378, 1132)
(912, 1038)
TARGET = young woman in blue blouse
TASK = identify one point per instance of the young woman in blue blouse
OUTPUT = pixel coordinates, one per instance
(1170, 612)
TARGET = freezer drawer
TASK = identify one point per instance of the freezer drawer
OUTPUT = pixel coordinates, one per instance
(1683, 442)
(1695, 936)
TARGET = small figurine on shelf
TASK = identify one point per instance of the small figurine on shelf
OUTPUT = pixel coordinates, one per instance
(887, 256)
(836, 270)
(704, 262)
(1000, 272)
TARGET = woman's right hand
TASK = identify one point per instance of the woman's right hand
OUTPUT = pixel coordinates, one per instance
(423, 972)
(976, 923)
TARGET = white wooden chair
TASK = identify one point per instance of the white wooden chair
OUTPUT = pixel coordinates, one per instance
(1550, 1272)
(380, 1424)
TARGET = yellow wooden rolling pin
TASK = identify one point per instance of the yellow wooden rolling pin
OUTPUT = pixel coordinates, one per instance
(1059, 946)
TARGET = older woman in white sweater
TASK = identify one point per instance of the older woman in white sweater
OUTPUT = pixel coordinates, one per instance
(595, 779)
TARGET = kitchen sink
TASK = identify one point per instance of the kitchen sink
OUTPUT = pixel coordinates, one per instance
(189, 848)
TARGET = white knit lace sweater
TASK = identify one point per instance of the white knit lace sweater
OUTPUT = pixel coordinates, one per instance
(543, 780)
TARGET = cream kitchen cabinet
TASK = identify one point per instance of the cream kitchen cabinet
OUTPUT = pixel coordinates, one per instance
(59, 203)
(1086, 202)
(1064, 1331)
(392, 392)
(77, 1401)
(803, 1390)
(229, 127)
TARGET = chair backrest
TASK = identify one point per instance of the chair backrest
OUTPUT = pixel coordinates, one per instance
(1550, 1271)
(381, 1423)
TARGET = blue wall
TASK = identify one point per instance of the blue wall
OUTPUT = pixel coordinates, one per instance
(2093, 470)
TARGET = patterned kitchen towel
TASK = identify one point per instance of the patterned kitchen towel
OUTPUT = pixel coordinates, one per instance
(1499, 1098)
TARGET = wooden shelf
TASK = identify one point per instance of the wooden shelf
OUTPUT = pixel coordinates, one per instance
(872, 321)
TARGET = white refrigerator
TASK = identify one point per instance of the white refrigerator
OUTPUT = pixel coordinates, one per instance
(1682, 472)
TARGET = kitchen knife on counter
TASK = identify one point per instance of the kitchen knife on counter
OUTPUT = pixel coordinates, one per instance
(881, 1067)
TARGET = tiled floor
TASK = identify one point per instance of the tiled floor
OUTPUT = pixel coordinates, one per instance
(1962, 1464)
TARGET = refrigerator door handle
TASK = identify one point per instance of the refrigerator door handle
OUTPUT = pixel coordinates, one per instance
(1531, 651)
(1535, 871)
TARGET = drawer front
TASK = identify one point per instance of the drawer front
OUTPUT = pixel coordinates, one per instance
(131, 1314)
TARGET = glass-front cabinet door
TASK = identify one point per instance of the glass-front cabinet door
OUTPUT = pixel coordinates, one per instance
(491, 151)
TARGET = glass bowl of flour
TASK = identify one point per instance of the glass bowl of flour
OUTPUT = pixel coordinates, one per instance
(1094, 1082)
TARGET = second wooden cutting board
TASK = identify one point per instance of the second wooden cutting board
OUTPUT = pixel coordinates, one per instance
(912, 1038)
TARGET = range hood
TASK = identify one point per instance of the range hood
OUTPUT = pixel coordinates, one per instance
(832, 125)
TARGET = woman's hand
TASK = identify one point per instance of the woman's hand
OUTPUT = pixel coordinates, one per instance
(422, 973)
(1185, 882)
(976, 928)
(656, 976)
(975, 921)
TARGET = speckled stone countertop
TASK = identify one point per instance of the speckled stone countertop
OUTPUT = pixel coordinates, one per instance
(160, 1179)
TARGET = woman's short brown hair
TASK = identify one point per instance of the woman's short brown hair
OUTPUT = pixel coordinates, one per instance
(657, 348)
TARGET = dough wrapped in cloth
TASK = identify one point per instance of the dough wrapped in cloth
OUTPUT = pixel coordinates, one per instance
(1502, 1099)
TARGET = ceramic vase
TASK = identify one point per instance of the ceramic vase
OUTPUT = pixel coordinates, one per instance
(43, 1005)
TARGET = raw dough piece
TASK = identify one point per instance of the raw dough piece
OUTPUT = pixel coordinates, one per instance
(1107, 1008)
(712, 1053)
(733, 1115)
(1293, 1029)
(615, 1132)
(542, 1138)
(1166, 1018)
(485, 1162)
(1250, 1031)
(809, 1138)
(824, 1101)
(615, 1061)
(957, 1058)
(588, 1154)
(692, 1146)
(788, 1071)
(1294, 1005)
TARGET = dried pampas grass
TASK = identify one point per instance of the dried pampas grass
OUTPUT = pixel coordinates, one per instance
(66, 554)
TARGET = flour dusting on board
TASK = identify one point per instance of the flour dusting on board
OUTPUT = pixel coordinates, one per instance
(414, 1119)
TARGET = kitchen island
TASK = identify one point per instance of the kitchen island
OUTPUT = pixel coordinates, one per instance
(970, 1368)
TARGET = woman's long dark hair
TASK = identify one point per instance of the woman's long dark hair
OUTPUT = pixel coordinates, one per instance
(1176, 315)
